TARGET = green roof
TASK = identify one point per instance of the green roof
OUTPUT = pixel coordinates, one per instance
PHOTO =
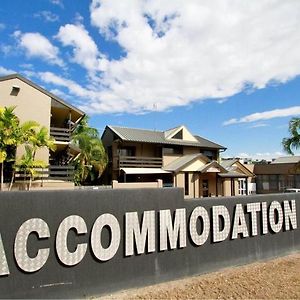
(158, 137)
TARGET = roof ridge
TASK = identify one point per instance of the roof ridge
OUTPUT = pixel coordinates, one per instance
(41, 89)
(126, 127)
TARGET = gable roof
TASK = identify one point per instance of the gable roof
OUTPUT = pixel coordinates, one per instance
(158, 137)
(42, 90)
(212, 164)
(236, 170)
(184, 161)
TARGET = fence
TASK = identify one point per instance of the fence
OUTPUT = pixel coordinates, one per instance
(73, 244)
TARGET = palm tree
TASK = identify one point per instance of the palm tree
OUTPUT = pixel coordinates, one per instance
(28, 165)
(37, 137)
(92, 159)
(292, 142)
(40, 139)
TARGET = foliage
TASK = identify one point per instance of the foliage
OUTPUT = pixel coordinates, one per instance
(293, 141)
(92, 160)
(13, 134)
(9, 133)
(28, 165)
(41, 139)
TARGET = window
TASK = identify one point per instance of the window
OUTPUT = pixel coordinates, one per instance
(209, 154)
(242, 186)
(274, 185)
(127, 151)
(178, 135)
(186, 184)
(173, 150)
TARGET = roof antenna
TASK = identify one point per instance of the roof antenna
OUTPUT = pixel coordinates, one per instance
(154, 110)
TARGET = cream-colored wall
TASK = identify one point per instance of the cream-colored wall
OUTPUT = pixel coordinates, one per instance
(196, 185)
(195, 166)
(187, 136)
(31, 104)
(179, 180)
(226, 187)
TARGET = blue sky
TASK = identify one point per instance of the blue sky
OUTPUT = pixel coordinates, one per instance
(228, 70)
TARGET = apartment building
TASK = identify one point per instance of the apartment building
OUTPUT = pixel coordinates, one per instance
(35, 103)
(176, 156)
(282, 173)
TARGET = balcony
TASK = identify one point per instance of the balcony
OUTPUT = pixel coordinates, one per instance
(60, 134)
(139, 162)
(53, 172)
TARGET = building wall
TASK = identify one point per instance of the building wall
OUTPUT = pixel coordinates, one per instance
(31, 104)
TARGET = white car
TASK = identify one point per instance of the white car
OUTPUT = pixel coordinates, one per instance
(292, 190)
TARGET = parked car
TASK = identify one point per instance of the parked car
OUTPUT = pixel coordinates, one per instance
(292, 190)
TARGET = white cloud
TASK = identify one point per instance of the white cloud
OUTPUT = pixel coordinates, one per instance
(178, 52)
(78, 19)
(72, 86)
(266, 115)
(258, 125)
(57, 2)
(7, 49)
(36, 45)
(260, 156)
(85, 51)
(27, 66)
(47, 16)
(4, 71)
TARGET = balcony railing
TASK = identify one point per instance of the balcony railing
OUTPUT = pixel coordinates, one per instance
(53, 172)
(140, 162)
(61, 134)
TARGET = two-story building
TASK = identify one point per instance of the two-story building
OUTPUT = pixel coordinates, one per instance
(281, 174)
(176, 156)
(33, 102)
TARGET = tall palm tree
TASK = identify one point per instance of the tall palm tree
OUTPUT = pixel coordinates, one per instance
(92, 159)
(292, 142)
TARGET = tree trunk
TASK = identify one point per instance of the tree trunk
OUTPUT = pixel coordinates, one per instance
(12, 180)
(29, 185)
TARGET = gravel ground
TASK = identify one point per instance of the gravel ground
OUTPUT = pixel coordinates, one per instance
(278, 278)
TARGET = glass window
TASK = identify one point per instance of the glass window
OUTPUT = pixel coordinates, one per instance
(173, 150)
(209, 154)
(242, 186)
(273, 180)
(127, 151)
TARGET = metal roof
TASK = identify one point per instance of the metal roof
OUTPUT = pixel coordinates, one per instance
(212, 164)
(39, 88)
(286, 160)
(232, 174)
(183, 161)
(228, 163)
(158, 137)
